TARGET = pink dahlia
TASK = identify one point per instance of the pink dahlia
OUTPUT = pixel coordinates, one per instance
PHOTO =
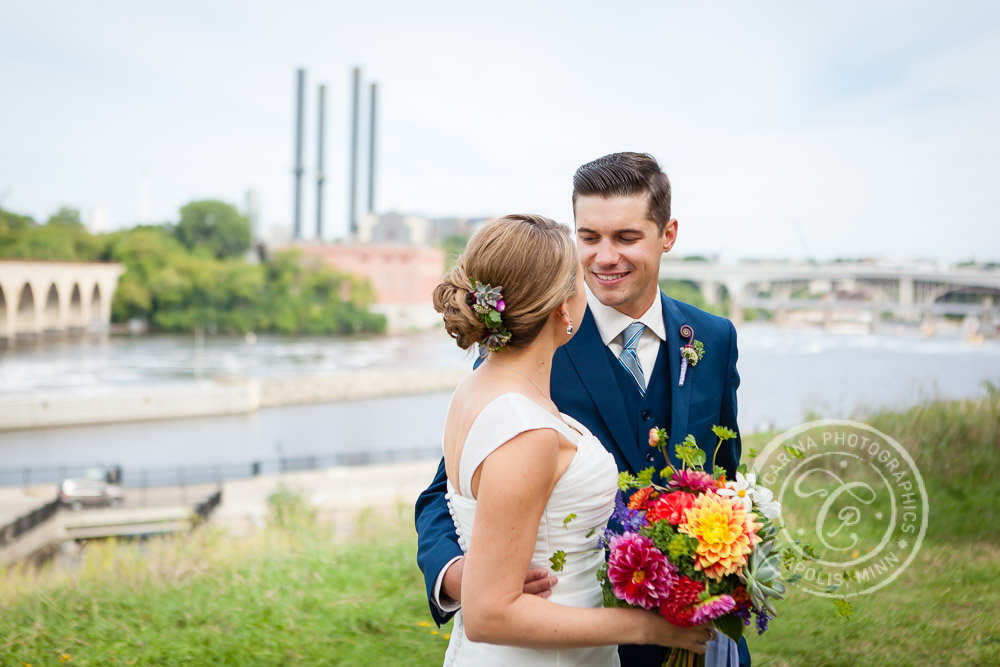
(638, 572)
(712, 608)
(692, 480)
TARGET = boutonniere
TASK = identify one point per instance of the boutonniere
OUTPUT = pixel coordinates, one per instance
(691, 352)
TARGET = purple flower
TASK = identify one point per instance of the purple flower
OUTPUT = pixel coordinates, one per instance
(712, 608)
(762, 619)
(500, 305)
(630, 520)
(638, 572)
(743, 613)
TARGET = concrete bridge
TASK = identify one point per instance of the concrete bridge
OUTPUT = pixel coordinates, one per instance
(908, 291)
(41, 297)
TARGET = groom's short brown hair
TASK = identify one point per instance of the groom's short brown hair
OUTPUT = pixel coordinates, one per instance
(626, 175)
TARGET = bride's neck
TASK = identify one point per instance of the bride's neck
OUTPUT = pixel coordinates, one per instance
(534, 361)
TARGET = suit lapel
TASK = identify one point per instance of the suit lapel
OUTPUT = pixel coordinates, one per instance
(586, 353)
(680, 397)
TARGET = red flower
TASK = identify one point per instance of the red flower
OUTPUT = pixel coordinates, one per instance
(670, 508)
(679, 607)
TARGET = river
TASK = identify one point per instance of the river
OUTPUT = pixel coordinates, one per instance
(787, 375)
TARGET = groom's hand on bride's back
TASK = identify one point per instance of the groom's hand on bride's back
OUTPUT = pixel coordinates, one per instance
(537, 581)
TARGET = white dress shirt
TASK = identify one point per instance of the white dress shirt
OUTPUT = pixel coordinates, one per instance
(611, 324)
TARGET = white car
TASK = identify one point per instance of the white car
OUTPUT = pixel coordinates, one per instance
(93, 489)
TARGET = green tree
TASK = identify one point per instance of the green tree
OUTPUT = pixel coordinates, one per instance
(66, 217)
(215, 226)
(12, 223)
(145, 251)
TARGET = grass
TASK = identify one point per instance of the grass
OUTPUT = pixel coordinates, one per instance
(296, 594)
(944, 609)
(290, 595)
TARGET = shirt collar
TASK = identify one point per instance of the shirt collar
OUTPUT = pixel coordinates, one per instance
(610, 322)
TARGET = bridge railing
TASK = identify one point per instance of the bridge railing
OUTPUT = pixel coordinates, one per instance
(184, 476)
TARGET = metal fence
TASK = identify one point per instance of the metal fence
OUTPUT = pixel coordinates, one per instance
(182, 476)
(20, 526)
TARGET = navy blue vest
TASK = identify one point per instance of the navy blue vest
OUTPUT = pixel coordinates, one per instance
(645, 412)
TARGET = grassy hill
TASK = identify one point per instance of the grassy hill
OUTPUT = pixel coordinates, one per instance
(296, 594)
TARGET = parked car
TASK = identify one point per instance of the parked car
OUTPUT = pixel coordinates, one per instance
(96, 487)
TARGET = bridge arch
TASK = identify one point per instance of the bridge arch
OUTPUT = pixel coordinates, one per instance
(26, 318)
(50, 314)
(96, 306)
(965, 293)
(74, 314)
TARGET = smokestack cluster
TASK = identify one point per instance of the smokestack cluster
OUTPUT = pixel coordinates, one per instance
(321, 150)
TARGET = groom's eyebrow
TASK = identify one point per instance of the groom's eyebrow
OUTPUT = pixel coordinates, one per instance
(588, 230)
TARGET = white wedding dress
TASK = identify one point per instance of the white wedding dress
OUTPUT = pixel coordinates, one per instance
(587, 488)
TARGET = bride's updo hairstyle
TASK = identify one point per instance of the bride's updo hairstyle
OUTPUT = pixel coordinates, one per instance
(532, 258)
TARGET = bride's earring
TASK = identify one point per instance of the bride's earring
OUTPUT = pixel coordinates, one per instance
(569, 328)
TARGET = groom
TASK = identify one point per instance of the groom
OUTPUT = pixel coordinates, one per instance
(620, 374)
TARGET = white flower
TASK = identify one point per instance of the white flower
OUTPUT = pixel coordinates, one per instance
(741, 489)
(746, 490)
(765, 503)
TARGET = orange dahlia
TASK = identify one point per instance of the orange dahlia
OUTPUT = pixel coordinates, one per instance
(641, 498)
(725, 531)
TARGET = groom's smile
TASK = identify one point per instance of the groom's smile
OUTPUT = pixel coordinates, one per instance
(620, 250)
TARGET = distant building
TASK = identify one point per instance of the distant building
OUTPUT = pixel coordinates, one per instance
(396, 228)
(403, 277)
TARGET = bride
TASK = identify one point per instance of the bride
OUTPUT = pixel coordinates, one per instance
(517, 468)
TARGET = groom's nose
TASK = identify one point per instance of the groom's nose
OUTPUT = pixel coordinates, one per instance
(606, 255)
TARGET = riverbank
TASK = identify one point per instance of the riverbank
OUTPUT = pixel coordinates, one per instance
(219, 397)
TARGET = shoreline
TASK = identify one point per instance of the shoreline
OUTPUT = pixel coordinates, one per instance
(217, 397)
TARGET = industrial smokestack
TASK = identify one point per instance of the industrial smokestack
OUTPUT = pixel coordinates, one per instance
(320, 176)
(352, 215)
(300, 100)
(371, 151)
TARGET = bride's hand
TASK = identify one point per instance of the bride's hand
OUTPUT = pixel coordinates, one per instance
(694, 639)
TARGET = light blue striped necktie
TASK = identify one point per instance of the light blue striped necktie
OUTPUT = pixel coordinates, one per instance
(628, 358)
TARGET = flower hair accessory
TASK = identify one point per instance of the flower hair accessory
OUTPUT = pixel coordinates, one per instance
(488, 303)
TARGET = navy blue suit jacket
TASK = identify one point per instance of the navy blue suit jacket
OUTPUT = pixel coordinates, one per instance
(583, 386)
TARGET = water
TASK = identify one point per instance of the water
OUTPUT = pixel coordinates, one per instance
(100, 364)
(786, 375)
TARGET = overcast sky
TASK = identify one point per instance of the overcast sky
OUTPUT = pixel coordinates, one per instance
(793, 129)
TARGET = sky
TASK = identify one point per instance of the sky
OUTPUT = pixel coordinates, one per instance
(801, 130)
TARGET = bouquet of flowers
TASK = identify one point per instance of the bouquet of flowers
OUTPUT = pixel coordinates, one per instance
(695, 547)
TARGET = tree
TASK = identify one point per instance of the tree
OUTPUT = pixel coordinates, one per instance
(67, 218)
(214, 226)
(12, 226)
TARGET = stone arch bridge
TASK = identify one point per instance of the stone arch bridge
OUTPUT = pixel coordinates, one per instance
(42, 297)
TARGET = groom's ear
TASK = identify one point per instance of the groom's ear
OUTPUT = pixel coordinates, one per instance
(669, 235)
